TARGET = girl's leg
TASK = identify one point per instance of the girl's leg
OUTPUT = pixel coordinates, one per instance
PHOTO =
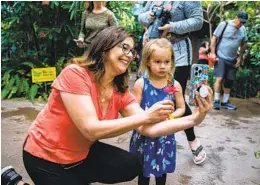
(161, 180)
(143, 180)
(190, 131)
(109, 164)
(181, 75)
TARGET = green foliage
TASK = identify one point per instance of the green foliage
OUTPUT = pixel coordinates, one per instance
(246, 84)
(258, 95)
(13, 84)
(36, 35)
(59, 64)
(32, 92)
(211, 79)
(124, 12)
(33, 36)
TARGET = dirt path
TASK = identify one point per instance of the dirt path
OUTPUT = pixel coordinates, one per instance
(229, 138)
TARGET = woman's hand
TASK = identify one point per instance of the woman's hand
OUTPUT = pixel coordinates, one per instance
(160, 111)
(204, 105)
(151, 17)
(80, 44)
(165, 29)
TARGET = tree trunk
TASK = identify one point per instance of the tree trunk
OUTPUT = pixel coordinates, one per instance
(210, 30)
(221, 10)
(209, 17)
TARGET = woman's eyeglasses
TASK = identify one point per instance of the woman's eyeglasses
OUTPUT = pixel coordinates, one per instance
(126, 49)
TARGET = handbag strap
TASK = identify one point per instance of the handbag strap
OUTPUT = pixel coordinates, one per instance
(221, 35)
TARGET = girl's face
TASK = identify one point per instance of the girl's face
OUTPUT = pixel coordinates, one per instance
(119, 57)
(160, 62)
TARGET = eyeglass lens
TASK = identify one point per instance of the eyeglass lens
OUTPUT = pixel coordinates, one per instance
(126, 50)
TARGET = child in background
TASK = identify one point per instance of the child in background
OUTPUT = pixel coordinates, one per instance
(158, 155)
(204, 53)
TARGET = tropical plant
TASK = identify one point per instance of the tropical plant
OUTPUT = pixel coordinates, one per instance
(40, 34)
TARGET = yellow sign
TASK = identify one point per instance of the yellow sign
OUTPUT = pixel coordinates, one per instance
(43, 74)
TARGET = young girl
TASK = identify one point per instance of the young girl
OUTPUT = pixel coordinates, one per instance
(157, 154)
(203, 53)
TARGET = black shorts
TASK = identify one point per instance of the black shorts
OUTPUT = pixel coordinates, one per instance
(225, 69)
(104, 163)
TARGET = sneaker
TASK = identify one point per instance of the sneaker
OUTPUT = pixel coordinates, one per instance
(9, 176)
(216, 105)
(228, 106)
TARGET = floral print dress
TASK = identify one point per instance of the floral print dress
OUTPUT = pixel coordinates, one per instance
(158, 155)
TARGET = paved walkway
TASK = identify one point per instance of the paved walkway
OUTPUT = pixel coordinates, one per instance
(229, 137)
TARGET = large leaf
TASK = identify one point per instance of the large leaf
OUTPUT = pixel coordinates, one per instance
(30, 64)
(33, 92)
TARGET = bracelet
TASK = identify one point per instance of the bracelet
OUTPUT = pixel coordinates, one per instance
(171, 116)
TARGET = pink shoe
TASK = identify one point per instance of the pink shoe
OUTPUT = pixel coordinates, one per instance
(199, 155)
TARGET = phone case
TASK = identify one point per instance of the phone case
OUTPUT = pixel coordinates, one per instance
(199, 76)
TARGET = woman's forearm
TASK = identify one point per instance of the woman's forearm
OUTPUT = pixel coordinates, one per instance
(170, 126)
(111, 128)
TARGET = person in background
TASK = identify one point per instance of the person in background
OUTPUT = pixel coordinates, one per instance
(158, 155)
(95, 18)
(185, 17)
(204, 53)
(234, 36)
(62, 146)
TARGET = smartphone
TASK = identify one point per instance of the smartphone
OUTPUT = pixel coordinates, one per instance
(198, 78)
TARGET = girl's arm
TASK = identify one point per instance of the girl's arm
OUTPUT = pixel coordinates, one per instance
(82, 112)
(180, 104)
(138, 89)
(167, 127)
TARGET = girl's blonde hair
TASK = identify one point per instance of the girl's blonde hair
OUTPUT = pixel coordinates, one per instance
(148, 49)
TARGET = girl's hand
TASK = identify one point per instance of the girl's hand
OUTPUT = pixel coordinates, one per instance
(204, 105)
(160, 111)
